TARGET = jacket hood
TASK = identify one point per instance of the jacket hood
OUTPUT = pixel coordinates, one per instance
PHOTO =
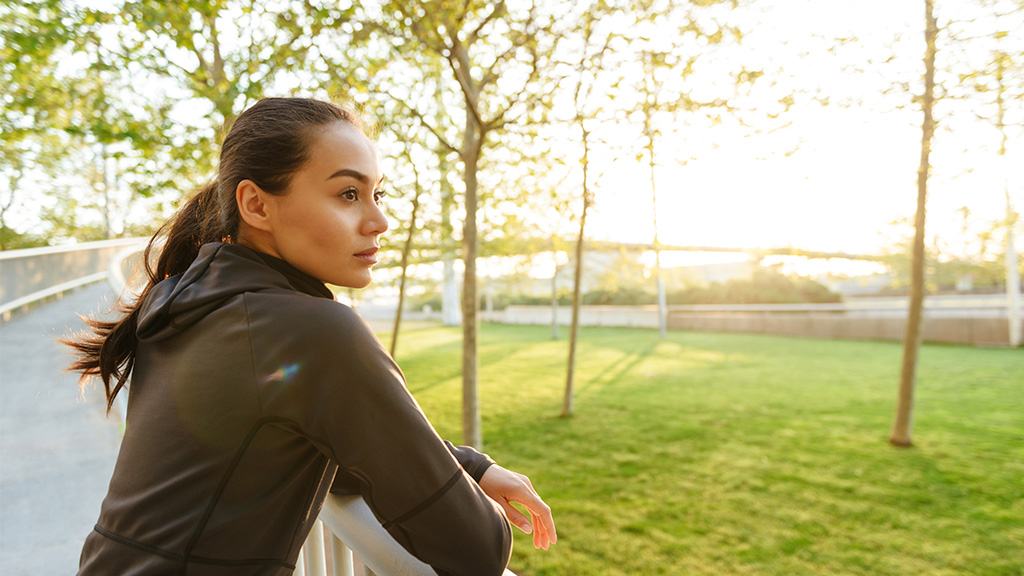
(220, 271)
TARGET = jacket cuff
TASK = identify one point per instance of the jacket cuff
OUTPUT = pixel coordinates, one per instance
(473, 462)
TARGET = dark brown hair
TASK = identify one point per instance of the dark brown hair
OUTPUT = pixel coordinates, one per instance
(267, 144)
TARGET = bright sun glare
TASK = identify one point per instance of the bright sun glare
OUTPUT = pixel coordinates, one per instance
(833, 180)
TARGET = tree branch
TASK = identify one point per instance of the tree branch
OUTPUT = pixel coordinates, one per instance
(475, 34)
(458, 58)
(441, 139)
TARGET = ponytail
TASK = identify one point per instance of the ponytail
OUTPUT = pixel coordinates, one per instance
(109, 350)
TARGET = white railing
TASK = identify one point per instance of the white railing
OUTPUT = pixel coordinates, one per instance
(356, 537)
(34, 274)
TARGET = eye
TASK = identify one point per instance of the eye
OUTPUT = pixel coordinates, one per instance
(378, 195)
(351, 195)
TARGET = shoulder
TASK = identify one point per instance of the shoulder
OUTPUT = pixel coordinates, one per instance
(294, 315)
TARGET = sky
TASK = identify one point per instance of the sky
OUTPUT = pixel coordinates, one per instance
(839, 175)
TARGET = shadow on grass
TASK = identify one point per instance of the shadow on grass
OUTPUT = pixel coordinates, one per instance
(614, 374)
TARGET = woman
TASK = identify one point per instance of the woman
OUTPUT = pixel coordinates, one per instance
(254, 393)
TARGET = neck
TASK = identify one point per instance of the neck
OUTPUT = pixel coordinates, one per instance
(257, 240)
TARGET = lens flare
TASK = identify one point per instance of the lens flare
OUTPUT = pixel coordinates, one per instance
(283, 374)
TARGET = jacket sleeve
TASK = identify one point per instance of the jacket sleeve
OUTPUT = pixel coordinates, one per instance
(473, 462)
(325, 370)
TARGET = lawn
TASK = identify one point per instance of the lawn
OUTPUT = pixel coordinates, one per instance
(745, 454)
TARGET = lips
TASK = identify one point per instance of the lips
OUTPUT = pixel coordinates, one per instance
(369, 256)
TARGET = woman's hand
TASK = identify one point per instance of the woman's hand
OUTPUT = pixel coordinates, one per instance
(505, 487)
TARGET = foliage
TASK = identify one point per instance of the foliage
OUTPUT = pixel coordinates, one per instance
(622, 297)
(765, 287)
(979, 260)
(73, 108)
(31, 40)
(745, 454)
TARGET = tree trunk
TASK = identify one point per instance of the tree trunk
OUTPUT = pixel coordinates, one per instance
(1012, 278)
(903, 425)
(405, 266)
(471, 433)
(554, 298)
(574, 327)
(649, 132)
(1012, 275)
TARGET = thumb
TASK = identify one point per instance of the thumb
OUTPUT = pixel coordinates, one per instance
(517, 518)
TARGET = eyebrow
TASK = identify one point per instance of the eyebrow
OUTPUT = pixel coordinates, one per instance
(353, 174)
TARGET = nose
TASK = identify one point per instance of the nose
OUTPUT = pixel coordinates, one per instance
(375, 222)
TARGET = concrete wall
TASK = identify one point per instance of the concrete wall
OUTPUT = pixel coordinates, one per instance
(823, 321)
(979, 331)
(627, 316)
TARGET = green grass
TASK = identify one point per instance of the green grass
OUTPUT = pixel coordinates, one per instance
(745, 454)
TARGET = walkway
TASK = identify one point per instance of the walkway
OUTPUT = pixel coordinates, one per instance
(57, 449)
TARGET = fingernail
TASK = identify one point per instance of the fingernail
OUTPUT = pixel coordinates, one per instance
(526, 528)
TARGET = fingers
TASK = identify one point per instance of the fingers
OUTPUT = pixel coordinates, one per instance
(517, 518)
(543, 523)
(505, 487)
(544, 528)
(540, 539)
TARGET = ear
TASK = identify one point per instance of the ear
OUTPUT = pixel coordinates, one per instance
(252, 205)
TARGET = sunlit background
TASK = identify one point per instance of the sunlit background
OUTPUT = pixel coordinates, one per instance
(818, 153)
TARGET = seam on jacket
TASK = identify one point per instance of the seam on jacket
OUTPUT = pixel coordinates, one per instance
(314, 488)
(225, 478)
(410, 543)
(180, 558)
(252, 353)
(426, 503)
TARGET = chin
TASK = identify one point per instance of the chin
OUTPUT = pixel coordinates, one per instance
(355, 283)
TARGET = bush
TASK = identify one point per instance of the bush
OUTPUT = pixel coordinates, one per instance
(766, 287)
(623, 297)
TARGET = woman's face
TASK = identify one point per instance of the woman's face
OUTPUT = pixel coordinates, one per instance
(329, 222)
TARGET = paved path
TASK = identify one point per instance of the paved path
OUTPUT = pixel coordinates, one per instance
(57, 449)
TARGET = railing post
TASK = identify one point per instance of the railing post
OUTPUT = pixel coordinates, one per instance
(317, 564)
(341, 558)
(300, 563)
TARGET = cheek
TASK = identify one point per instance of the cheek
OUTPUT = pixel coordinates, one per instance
(305, 220)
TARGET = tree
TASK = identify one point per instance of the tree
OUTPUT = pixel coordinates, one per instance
(1002, 68)
(406, 248)
(596, 43)
(1012, 274)
(494, 56)
(33, 38)
(652, 81)
(217, 58)
(995, 91)
(61, 119)
(903, 424)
